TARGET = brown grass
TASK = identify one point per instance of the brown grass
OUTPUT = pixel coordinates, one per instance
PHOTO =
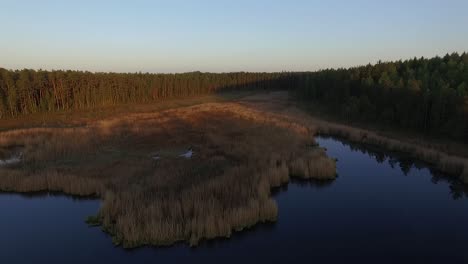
(240, 154)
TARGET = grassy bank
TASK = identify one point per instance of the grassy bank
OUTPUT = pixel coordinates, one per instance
(446, 156)
(433, 154)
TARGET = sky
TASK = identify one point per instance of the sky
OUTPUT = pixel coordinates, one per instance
(223, 36)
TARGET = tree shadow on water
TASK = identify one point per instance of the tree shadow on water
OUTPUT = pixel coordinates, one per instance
(405, 164)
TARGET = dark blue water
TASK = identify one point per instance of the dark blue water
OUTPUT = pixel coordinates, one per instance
(380, 209)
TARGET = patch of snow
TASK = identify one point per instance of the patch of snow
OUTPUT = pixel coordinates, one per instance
(187, 154)
(11, 161)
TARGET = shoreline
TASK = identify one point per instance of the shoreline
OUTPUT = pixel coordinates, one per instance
(263, 209)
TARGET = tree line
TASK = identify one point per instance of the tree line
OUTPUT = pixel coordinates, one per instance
(30, 91)
(424, 95)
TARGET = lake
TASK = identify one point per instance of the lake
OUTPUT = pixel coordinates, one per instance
(381, 209)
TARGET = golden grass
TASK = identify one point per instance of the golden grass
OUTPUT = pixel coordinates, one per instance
(74, 118)
(240, 154)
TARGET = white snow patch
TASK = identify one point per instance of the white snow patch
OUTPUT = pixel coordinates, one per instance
(171, 154)
(11, 161)
(187, 154)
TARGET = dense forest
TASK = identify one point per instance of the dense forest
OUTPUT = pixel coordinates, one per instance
(424, 95)
(29, 91)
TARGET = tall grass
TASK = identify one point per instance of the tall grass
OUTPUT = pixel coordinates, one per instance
(240, 154)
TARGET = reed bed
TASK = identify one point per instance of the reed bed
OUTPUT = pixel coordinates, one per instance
(240, 154)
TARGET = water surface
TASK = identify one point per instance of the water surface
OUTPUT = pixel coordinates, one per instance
(380, 209)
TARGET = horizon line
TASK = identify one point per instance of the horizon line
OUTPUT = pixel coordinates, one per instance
(379, 61)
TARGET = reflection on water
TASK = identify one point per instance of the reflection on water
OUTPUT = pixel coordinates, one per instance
(381, 209)
(458, 190)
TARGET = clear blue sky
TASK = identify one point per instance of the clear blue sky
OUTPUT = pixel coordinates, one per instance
(217, 36)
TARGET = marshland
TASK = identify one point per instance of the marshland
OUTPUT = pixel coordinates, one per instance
(196, 168)
(241, 149)
(220, 131)
(360, 214)
(153, 194)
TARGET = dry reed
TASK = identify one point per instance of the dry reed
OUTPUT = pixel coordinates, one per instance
(240, 154)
